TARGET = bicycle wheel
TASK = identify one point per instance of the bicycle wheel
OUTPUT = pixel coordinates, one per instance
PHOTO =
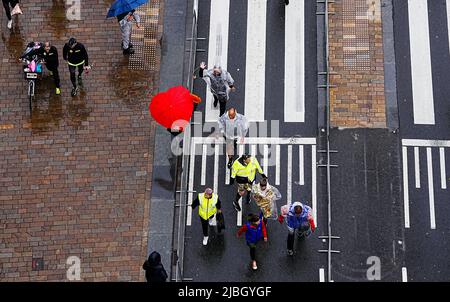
(30, 93)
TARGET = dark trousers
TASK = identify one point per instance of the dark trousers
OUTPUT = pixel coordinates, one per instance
(222, 104)
(205, 226)
(72, 70)
(252, 251)
(290, 241)
(54, 70)
(6, 4)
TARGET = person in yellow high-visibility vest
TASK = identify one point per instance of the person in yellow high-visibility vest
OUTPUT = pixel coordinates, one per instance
(209, 204)
(244, 171)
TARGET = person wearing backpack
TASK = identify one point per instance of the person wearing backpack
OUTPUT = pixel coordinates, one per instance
(255, 230)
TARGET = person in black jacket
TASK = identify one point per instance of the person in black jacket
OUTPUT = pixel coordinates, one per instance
(154, 270)
(50, 55)
(76, 56)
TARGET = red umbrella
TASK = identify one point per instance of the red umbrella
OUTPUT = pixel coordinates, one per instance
(173, 108)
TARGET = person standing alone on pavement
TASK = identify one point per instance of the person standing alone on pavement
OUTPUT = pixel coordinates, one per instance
(154, 270)
(208, 203)
(126, 24)
(16, 10)
(77, 58)
(255, 230)
(220, 82)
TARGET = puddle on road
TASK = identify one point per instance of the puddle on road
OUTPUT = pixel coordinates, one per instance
(133, 87)
(14, 42)
(57, 19)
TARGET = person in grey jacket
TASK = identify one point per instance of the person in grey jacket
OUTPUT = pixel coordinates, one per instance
(126, 24)
(220, 82)
(233, 126)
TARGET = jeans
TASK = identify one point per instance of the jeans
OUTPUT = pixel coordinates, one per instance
(72, 70)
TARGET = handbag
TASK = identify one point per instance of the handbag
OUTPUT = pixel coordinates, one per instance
(220, 222)
(16, 10)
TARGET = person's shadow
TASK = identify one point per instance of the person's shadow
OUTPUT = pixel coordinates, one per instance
(14, 42)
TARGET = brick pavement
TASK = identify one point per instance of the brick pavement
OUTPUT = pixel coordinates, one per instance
(75, 179)
(357, 58)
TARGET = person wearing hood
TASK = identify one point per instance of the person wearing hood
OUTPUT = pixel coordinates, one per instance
(126, 24)
(154, 270)
(220, 82)
(299, 219)
(244, 171)
(232, 126)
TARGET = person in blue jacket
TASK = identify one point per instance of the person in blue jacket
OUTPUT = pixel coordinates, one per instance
(298, 218)
(255, 230)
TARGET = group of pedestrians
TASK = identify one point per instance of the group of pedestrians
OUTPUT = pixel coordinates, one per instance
(234, 126)
(74, 53)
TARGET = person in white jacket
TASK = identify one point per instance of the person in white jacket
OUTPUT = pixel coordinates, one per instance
(126, 24)
(233, 126)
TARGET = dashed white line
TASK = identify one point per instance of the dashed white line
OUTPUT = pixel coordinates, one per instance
(404, 274)
(301, 165)
(405, 186)
(277, 165)
(314, 183)
(203, 176)
(289, 174)
(417, 166)
(321, 275)
(442, 162)
(431, 188)
(191, 184)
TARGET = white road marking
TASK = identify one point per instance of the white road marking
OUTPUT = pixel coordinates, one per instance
(217, 48)
(227, 171)
(203, 176)
(431, 188)
(253, 151)
(255, 70)
(425, 143)
(321, 275)
(216, 176)
(314, 184)
(294, 63)
(404, 275)
(442, 161)
(277, 165)
(260, 140)
(191, 184)
(289, 174)
(266, 160)
(421, 74)
(417, 166)
(405, 186)
(448, 19)
(301, 165)
(239, 214)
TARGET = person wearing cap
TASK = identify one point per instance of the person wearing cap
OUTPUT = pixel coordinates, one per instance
(298, 219)
(233, 126)
(126, 24)
(244, 171)
(77, 58)
(220, 83)
(209, 204)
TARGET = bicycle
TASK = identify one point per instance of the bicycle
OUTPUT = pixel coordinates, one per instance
(32, 71)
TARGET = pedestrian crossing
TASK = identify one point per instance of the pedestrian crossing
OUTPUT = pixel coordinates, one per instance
(428, 157)
(289, 163)
(257, 82)
(425, 63)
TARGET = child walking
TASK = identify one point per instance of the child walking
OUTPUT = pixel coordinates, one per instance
(254, 229)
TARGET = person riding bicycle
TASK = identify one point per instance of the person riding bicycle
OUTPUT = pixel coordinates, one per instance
(76, 56)
(49, 54)
(298, 218)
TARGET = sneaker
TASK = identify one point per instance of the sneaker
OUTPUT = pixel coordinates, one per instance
(9, 24)
(74, 91)
(237, 206)
(58, 91)
(290, 252)
(128, 51)
(210, 222)
(254, 267)
(205, 240)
